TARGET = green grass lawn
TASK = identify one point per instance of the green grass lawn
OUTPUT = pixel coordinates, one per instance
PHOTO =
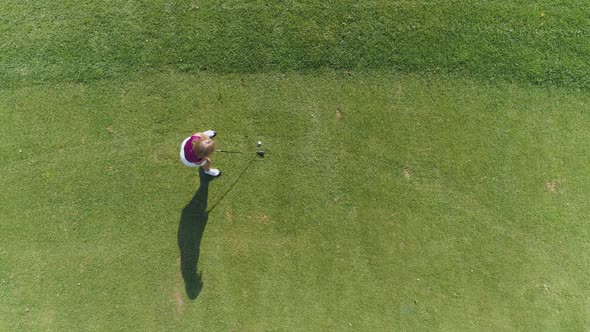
(384, 201)
(542, 42)
(426, 166)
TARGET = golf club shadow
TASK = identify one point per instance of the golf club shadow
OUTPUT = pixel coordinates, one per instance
(193, 220)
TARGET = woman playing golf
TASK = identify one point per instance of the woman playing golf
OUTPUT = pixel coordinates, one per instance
(196, 151)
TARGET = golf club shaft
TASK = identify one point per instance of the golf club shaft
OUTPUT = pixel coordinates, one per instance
(229, 151)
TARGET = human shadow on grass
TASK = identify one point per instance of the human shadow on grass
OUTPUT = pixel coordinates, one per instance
(193, 220)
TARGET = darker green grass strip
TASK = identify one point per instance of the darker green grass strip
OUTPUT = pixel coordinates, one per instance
(543, 42)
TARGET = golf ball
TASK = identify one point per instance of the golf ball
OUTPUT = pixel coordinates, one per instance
(259, 143)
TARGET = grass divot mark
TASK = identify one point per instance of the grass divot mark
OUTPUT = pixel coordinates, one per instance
(407, 172)
(178, 297)
(552, 186)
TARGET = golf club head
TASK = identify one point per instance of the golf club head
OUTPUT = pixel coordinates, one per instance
(260, 153)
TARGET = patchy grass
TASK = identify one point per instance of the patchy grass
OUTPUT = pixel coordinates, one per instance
(384, 201)
(426, 165)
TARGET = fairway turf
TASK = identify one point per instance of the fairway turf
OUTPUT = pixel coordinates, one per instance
(385, 201)
(541, 42)
(426, 165)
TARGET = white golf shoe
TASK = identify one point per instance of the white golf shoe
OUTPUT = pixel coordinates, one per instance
(213, 172)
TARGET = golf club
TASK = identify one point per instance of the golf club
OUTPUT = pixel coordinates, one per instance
(259, 153)
(229, 151)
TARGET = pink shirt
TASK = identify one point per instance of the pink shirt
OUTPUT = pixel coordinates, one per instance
(188, 150)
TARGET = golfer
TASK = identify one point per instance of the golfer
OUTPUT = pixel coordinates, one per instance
(196, 151)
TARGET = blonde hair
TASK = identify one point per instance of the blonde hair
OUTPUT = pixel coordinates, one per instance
(203, 147)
